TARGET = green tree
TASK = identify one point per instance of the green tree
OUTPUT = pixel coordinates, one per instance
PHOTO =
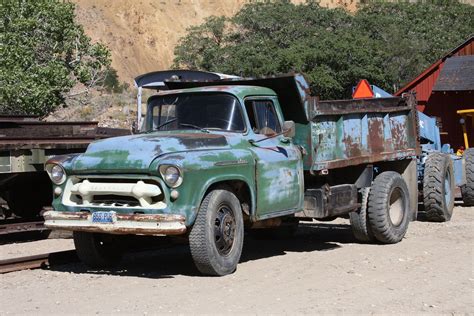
(408, 37)
(43, 53)
(386, 43)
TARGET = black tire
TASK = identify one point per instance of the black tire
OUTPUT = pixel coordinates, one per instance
(29, 193)
(438, 187)
(360, 221)
(217, 236)
(467, 190)
(97, 250)
(389, 207)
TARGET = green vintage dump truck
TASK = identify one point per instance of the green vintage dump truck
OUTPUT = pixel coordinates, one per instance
(214, 157)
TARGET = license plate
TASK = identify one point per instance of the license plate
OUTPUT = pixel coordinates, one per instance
(103, 217)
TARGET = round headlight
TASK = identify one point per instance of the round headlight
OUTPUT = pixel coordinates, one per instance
(171, 175)
(57, 174)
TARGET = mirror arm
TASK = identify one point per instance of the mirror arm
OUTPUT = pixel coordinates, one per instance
(252, 141)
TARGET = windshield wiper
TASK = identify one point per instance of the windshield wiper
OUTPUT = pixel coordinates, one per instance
(194, 126)
(161, 125)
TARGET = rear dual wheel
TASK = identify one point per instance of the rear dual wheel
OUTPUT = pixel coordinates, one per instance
(384, 215)
(360, 221)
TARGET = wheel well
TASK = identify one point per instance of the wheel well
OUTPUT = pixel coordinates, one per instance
(241, 191)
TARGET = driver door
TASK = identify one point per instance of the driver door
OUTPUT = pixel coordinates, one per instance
(279, 168)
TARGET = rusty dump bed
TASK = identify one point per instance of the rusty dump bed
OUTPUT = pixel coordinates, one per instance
(338, 133)
(352, 132)
(26, 132)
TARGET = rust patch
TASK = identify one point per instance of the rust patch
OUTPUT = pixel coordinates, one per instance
(151, 217)
(376, 135)
(198, 140)
(352, 148)
(124, 230)
(66, 215)
(78, 221)
(399, 136)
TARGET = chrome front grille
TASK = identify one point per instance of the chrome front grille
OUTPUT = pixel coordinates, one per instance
(114, 192)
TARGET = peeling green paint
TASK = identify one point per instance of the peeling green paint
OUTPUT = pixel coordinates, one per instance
(272, 172)
(272, 169)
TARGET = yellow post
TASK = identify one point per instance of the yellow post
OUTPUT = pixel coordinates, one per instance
(465, 114)
(466, 142)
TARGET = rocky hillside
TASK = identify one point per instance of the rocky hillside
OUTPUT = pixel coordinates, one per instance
(142, 33)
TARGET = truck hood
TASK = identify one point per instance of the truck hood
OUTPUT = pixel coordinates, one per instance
(135, 153)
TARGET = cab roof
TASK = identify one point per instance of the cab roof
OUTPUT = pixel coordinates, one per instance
(239, 91)
(292, 90)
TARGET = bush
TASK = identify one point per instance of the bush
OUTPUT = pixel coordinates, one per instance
(43, 53)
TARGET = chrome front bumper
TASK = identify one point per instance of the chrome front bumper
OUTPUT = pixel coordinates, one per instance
(124, 224)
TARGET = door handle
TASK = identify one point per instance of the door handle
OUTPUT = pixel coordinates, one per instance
(285, 140)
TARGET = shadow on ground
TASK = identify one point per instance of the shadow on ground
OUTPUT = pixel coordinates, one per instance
(172, 257)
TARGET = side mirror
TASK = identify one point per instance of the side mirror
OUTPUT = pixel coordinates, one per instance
(289, 129)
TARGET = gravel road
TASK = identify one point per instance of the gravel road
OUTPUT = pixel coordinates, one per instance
(320, 270)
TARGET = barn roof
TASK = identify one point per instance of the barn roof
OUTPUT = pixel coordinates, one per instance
(423, 84)
(456, 75)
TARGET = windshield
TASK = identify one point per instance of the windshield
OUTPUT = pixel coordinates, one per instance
(194, 111)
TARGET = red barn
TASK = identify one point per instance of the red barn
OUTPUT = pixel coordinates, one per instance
(446, 87)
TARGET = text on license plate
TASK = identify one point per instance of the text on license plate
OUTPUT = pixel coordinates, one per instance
(103, 217)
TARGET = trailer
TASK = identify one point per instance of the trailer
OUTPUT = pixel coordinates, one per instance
(440, 171)
(25, 145)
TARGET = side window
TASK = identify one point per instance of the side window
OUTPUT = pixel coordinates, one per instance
(263, 117)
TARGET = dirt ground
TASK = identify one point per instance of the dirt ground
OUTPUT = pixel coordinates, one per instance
(320, 270)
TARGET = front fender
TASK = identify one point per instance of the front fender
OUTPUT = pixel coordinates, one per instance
(202, 169)
(231, 177)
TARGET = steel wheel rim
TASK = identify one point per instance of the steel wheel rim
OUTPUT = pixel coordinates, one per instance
(224, 230)
(396, 207)
(447, 188)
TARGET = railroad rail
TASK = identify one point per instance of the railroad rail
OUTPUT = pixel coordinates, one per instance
(37, 261)
(20, 225)
(47, 260)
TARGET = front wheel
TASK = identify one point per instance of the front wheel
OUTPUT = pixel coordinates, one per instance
(217, 236)
(389, 207)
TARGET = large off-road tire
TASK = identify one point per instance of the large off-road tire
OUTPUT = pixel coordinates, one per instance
(359, 220)
(389, 207)
(217, 236)
(438, 187)
(467, 190)
(97, 250)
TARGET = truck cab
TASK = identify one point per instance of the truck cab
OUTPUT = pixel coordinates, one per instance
(193, 142)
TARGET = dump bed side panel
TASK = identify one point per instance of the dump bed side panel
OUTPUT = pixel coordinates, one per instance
(352, 132)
